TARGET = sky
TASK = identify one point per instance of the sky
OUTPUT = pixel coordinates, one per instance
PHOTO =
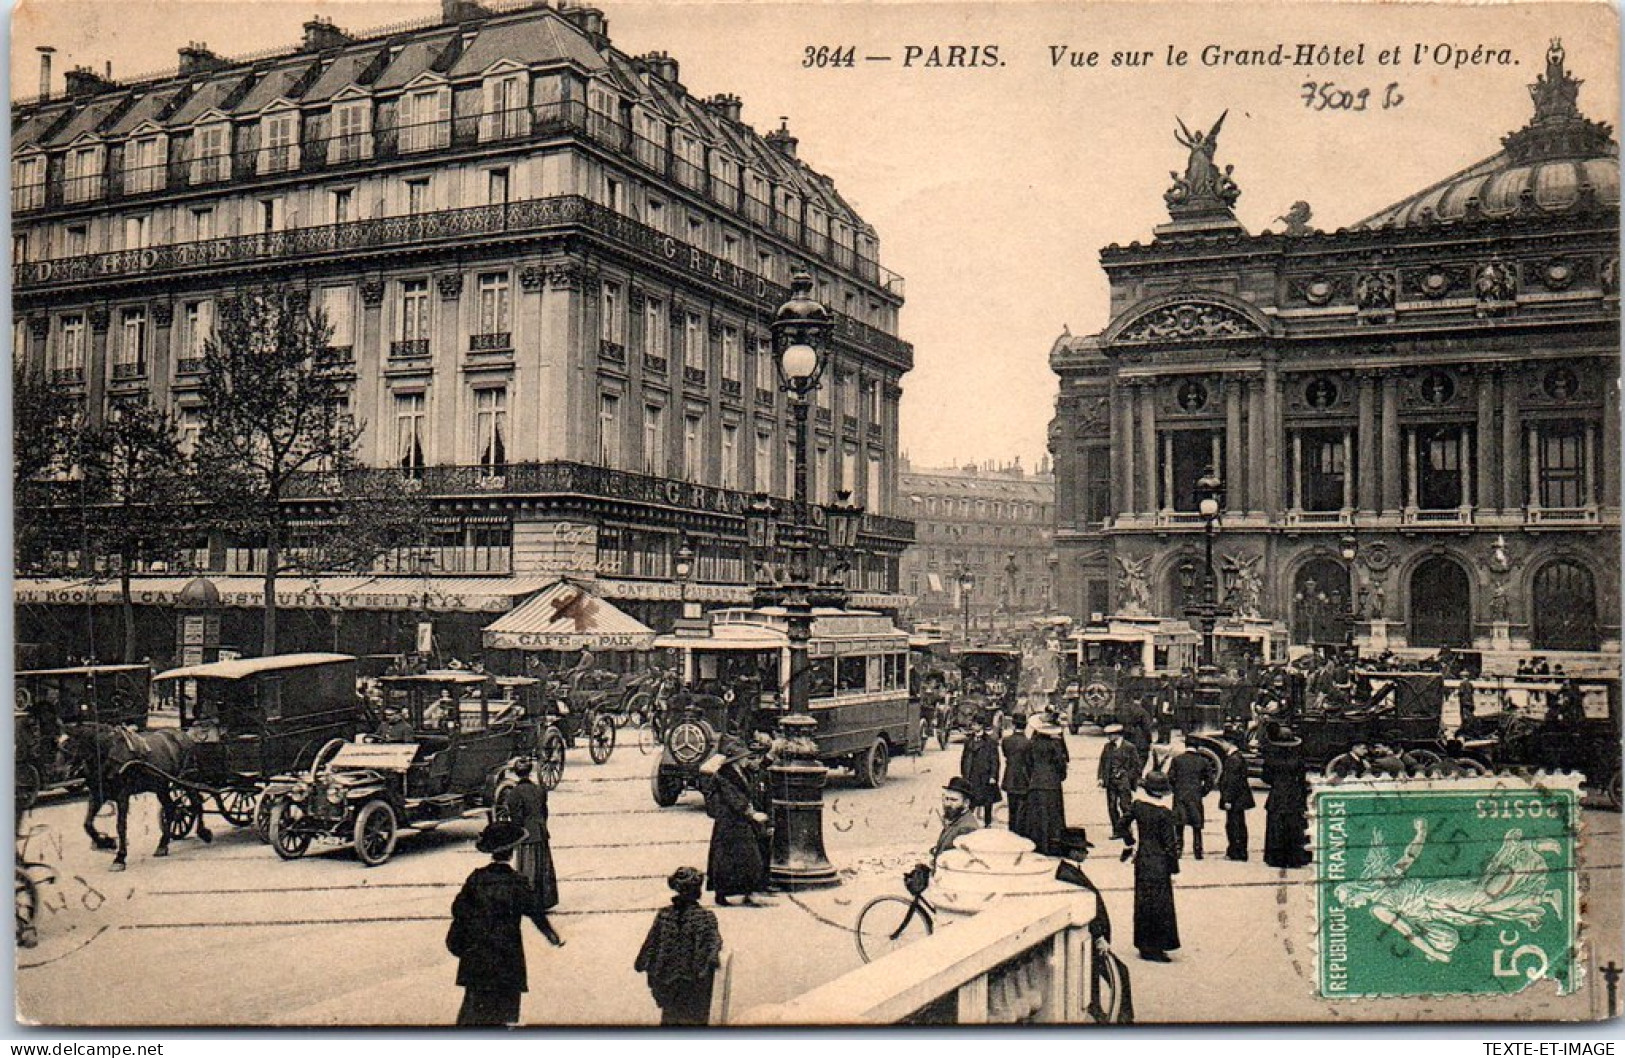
(994, 187)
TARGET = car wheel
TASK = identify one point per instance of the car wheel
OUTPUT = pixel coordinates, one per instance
(1613, 790)
(601, 739)
(262, 816)
(664, 789)
(375, 833)
(871, 767)
(28, 786)
(285, 832)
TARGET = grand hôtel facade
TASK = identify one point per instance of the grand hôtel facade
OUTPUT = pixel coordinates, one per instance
(1433, 390)
(553, 269)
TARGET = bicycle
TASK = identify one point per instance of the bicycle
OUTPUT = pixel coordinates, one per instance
(887, 923)
(28, 899)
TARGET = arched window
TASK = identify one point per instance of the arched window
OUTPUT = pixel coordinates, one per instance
(1320, 599)
(1441, 605)
(1564, 608)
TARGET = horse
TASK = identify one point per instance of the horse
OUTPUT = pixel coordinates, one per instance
(120, 762)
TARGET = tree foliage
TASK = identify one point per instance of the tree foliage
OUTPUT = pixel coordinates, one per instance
(46, 421)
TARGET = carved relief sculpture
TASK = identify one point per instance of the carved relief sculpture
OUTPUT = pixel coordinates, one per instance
(1134, 585)
(1246, 583)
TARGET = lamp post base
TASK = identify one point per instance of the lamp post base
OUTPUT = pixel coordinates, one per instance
(799, 861)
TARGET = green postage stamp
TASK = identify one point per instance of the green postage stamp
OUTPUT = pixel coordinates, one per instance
(1446, 886)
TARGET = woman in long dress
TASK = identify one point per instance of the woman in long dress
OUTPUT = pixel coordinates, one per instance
(1286, 820)
(525, 804)
(1153, 840)
(735, 866)
(1043, 815)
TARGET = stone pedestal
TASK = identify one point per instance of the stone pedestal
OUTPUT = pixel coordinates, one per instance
(797, 784)
(1376, 638)
(1500, 636)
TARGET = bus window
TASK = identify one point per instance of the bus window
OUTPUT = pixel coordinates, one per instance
(851, 675)
(820, 677)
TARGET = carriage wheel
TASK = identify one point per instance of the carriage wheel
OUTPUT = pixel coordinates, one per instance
(184, 813)
(28, 786)
(601, 739)
(27, 908)
(237, 805)
(287, 836)
(374, 833)
(262, 816)
(639, 705)
(550, 759)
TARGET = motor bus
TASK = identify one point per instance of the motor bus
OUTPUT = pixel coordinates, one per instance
(1116, 660)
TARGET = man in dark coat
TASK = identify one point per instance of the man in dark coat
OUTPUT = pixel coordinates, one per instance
(525, 803)
(395, 727)
(735, 863)
(1191, 777)
(1235, 798)
(1120, 765)
(1014, 747)
(1153, 842)
(979, 766)
(1044, 813)
(958, 816)
(682, 952)
(485, 932)
(1138, 729)
(1286, 810)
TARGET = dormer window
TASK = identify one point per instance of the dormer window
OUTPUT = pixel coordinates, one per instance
(279, 142)
(649, 143)
(210, 147)
(28, 183)
(144, 164)
(505, 108)
(426, 119)
(352, 132)
(83, 174)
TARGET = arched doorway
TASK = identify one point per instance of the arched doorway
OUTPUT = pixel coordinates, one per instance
(1564, 601)
(1320, 594)
(1441, 605)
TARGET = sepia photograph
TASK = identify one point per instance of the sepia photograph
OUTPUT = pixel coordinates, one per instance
(744, 513)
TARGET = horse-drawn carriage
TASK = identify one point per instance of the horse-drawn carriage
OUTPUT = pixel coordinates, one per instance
(49, 700)
(584, 705)
(365, 792)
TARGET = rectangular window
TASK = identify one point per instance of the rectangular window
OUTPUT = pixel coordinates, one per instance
(654, 440)
(202, 224)
(1097, 496)
(764, 461)
(694, 341)
(338, 306)
(131, 360)
(824, 469)
(70, 353)
(849, 470)
(494, 303)
(496, 187)
(1562, 465)
(426, 120)
(199, 319)
(693, 447)
(1439, 484)
(417, 197)
(613, 196)
(28, 183)
(135, 233)
(342, 200)
(76, 240)
(491, 427)
(144, 165)
(609, 429)
(415, 310)
(190, 428)
(279, 143)
(696, 232)
(873, 497)
(764, 265)
(410, 412)
(83, 174)
(19, 248)
(733, 361)
(1324, 470)
(730, 456)
(612, 323)
(210, 146)
(730, 249)
(505, 108)
(271, 215)
(654, 327)
(351, 141)
(657, 215)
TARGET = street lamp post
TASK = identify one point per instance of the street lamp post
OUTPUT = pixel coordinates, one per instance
(967, 584)
(1349, 548)
(1010, 572)
(1210, 503)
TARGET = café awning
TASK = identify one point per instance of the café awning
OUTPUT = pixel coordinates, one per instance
(566, 616)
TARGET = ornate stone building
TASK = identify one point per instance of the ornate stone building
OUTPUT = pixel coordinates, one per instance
(551, 265)
(1433, 389)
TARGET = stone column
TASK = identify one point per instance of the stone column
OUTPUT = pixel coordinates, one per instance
(1488, 496)
(1147, 394)
(1392, 476)
(371, 355)
(1295, 495)
(1413, 492)
(1348, 471)
(1532, 450)
(1273, 436)
(1365, 468)
(97, 355)
(1255, 444)
(1512, 491)
(1167, 470)
(1234, 497)
(1124, 394)
(1610, 443)
(1466, 464)
(1588, 492)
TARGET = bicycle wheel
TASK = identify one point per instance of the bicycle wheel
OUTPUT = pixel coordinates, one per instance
(887, 923)
(648, 741)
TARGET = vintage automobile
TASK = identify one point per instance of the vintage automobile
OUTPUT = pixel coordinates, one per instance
(47, 700)
(365, 792)
(1584, 737)
(1118, 660)
(1400, 711)
(584, 706)
(989, 679)
(857, 682)
(256, 718)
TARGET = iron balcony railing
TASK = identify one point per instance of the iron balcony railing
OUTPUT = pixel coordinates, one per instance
(693, 376)
(654, 365)
(514, 218)
(409, 349)
(67, 376)
(495, 342)
(614, 352)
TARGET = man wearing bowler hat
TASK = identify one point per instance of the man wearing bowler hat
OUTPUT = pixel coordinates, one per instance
(1120, 766)
(958, 819)
(485, 931)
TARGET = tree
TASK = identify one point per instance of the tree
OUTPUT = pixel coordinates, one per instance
(45, 423)
(139, 492)
(275, 426)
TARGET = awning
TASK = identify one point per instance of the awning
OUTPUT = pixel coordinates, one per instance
(434, 594)
(566, 616)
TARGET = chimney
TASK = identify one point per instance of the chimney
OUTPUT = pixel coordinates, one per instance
(727, 105)
(83, 82)
(781, 140)
(589, 20)
(460, 10)
(661, 65)
(197, 58)
(322, 35)
(45, 53)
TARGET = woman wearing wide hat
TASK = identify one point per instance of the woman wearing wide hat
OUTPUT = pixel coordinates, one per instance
(681, 954)
(484, 932)
(1286, 820)
(1153, 840)
(735, 864)
(1043, 815)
